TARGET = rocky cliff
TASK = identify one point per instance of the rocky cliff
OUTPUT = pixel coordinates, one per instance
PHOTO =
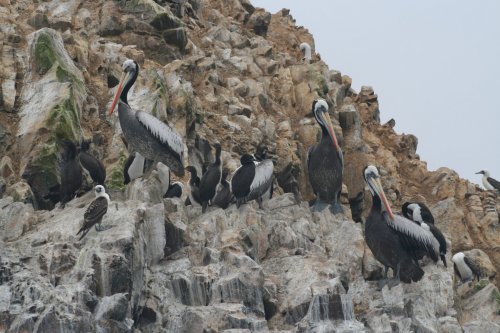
(229, 72)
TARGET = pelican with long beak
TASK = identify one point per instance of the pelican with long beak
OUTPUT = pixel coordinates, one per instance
(394, 240)
(325, 162)
(144, 133)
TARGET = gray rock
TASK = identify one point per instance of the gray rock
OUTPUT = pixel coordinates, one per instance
(112, 307)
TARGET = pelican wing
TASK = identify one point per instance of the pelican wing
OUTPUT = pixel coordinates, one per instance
(161, 131)
(413, 237)
(474, 266)
(263, 178)
(495, 183)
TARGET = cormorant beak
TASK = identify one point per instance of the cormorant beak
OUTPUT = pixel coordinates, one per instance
(123, 79)
(328, 122)
(377, 187)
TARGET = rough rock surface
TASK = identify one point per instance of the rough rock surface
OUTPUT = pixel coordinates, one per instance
(228, 72)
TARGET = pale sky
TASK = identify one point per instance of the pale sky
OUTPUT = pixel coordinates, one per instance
(435, 66)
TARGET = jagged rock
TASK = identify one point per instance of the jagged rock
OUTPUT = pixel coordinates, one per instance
(479, 256)
(112, 307)
(110, 24)
(259, 22)
(6, 167)
(16, 219)
(8, 74)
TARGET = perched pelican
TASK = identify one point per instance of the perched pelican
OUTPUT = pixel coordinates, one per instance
(194, 187)
(91, 164)
(224, 197)
(325, 162)
(421, 215)
(174, 190)
(393, 239)
(211, 179)
(71, 173)
(466, 267)
(251, 180)
(488, 182)
(143, 132)
(95, 212)
(306, 51)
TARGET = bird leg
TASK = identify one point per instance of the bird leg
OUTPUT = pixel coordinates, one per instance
(318, 206)
(395, 280)
(383, 281)
(98, 227)
(259, 201)
(336, 208)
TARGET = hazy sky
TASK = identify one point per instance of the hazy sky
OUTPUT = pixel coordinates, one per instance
(435, 66)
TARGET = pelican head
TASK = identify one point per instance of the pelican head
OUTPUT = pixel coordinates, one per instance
(320, 111)
(372, 178)
(130, 68)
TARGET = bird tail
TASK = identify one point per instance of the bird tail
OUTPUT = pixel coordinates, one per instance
(410, 271)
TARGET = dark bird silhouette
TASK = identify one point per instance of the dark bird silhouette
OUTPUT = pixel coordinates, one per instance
(91, 164)
(224, 197)
(211, 179)
(95, 212)
(325, 163)
(251, 180)
(71, 172)
(394, 239)
(174, 190)
(194, 187)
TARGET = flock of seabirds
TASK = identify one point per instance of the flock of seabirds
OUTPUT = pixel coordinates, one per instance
(396, 241)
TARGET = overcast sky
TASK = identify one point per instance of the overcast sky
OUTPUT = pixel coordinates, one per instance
(435, 66)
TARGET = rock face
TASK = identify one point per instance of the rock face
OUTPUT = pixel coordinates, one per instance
(218, 71)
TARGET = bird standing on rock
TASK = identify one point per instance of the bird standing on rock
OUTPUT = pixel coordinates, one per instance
(325, 163)
(394, 239)
(95, 212)
(194, 187)
(91, 164)
(144, 133)
(211, 179)
(488, 182)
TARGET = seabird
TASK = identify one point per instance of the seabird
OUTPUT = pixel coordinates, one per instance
(306, 51)
(224, 197)
(325, 162)
(95, 212)
(421, 215)
(174, 190)
(91, 164)
(143, 132)
(251, 180)
(71, 173)
(394, 239)
(466, 267)
(133, 168)
(488, 182)
(210, 180)
(261, 155)
(163, 174)
(194, 187)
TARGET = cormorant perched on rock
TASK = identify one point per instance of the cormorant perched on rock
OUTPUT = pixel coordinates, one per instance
(224, 197)
(174, 190)
(261, 155)
(393, 239)
(194, 187)
(211, 179)
(251, 180)
(421, 215)
(91, 164)
(95, 212)
(325, 163)
(143, 132)
(466, 267)
(71, 173)
(488, 182)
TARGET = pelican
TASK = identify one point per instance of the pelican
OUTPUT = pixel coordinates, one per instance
(95, 212)
(91, 164)
(394, 239)
(71, 173)
(251, 180)
(421, 215)
(144, 133)
(325, 162)
(488, 182)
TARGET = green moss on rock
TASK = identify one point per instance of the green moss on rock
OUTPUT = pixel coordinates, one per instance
(45, 56)
(115, 179)
(64, 120)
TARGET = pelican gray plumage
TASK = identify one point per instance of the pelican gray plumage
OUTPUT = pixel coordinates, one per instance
(325, 162)
(394, 239)
(95, 212)
(144, 133)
